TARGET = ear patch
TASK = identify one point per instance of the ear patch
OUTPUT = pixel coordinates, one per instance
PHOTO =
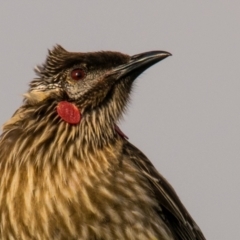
(68, 112)
(36, 96)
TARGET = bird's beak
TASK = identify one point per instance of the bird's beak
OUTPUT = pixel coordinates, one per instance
(139, 63)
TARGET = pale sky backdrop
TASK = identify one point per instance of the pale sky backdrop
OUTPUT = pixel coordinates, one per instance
(184, 114)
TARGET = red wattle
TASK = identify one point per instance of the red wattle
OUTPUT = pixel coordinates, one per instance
(69, 112)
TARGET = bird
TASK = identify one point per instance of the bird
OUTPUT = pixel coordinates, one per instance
(67, 170)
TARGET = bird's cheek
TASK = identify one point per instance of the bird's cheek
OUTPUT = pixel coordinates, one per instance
(72, 90)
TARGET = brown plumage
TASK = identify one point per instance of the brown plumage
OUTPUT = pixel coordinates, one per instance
(67, 171)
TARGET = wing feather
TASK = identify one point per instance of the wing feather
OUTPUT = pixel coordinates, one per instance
(173, 212)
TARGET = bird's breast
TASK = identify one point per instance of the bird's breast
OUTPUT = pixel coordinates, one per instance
(100, 196)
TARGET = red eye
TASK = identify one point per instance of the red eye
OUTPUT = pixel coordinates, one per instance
(77, 74)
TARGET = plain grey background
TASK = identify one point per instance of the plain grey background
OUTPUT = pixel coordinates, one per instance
(184, 114)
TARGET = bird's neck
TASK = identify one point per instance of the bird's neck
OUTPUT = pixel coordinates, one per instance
(46, 136)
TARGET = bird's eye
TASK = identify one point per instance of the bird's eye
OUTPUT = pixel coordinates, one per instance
(77, 74)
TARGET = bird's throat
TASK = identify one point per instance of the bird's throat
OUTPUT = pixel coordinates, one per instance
(70, 113)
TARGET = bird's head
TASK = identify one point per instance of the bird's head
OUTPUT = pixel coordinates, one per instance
(91, 88)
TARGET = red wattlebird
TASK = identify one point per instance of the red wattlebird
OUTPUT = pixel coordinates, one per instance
(66, 169)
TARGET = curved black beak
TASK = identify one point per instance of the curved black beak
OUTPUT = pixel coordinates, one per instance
(139, 63)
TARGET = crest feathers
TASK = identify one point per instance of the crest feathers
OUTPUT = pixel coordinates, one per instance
(54, 62)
